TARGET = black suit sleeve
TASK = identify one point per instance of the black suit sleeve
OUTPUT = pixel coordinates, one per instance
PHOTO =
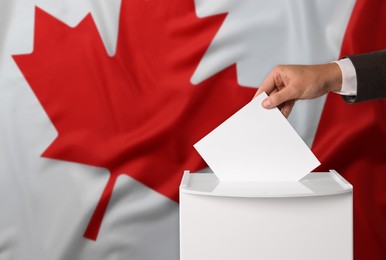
(371, 76)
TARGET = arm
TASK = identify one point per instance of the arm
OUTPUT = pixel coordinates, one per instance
(288, 83)
(371, 76)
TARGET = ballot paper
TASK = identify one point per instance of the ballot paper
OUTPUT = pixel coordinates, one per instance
(256, 144)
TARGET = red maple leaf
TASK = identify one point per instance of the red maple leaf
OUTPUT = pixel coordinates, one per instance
(135, 113)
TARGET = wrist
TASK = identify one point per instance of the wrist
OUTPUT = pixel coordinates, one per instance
(332, 77)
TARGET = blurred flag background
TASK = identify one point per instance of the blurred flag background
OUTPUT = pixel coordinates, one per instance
(101, 102)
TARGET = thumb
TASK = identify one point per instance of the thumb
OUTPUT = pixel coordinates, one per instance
(278, 98)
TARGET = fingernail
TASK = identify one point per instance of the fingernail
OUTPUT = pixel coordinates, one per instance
(266, 103)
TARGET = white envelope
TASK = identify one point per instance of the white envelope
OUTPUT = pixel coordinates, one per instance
(256, 144)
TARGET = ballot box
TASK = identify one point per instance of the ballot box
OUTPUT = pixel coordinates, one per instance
(310, 219)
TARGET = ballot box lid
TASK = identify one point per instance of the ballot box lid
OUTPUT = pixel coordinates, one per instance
(313, 184)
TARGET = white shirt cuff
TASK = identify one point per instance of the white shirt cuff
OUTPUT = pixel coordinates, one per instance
(349, 77)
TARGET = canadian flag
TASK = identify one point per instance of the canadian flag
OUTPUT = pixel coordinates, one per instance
(102, 101)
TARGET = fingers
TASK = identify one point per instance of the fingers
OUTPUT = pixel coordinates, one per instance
(287, 108)
(268, 84)
(279, 92)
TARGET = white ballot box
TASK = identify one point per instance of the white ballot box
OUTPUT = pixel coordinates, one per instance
(310, 219)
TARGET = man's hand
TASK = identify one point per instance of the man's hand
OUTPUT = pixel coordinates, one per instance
(288, 83)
